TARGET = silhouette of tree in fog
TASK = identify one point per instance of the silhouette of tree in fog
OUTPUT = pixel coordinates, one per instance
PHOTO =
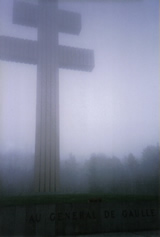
(16, 172)
(133, 173)
(1, 189)
(99, 174)
(104, 173)
(69, 174)
(150, 169)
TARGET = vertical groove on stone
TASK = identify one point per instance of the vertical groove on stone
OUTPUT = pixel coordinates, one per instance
(47, 140)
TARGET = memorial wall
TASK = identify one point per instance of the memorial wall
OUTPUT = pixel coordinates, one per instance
(79, 218)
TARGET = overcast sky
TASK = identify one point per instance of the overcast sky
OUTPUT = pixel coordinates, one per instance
(115, 108)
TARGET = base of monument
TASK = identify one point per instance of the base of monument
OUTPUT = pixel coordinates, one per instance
(79, 218)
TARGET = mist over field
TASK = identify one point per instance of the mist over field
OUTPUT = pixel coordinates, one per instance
(108, 116)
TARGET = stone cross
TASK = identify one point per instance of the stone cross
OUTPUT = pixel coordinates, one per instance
(49, 57)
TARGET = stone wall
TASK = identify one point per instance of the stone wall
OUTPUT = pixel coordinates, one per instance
(79, 218)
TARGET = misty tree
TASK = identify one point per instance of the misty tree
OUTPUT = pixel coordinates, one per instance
(118, 176)
(92, 167)
(16, 172)
(98, 174)
(1, 174)
(133, 173)
(69, 175)
(150, 169)
(105, 174)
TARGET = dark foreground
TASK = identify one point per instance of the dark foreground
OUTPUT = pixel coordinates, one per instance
(79, 215)
(155, 233)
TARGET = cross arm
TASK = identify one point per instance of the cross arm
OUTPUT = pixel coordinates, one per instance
(25, 51)
(18, 50)
(27, 14)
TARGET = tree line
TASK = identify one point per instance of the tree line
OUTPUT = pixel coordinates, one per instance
(98, 174)
(104, 174)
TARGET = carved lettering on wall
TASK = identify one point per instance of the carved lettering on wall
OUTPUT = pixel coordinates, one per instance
(92, 215)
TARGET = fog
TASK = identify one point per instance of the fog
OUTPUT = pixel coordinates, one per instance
(110, 111)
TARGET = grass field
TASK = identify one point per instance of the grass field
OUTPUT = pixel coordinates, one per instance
(71, 198)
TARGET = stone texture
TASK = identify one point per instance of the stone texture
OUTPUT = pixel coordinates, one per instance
(79, 218)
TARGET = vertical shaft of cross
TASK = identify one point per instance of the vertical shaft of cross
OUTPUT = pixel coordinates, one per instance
(44, 53)
(47, 120)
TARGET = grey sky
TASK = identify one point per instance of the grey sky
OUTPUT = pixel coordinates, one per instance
(115, 108)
